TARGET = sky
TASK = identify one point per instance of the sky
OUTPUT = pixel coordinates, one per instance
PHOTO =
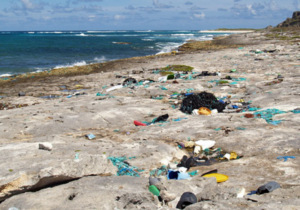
(26, 15)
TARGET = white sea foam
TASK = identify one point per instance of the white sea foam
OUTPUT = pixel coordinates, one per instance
(5, 75)
(100, 60)
(143, 31)
(182, 34)
(31, 32)
(101, 31)
(81, 34)
(167, 47)
(147, 40)
(81, 63)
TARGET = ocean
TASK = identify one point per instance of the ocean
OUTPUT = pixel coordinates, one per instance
(35, 51)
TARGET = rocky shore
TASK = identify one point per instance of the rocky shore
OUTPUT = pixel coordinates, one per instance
(65, 136)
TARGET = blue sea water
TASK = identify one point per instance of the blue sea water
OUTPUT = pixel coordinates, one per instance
(26, 51)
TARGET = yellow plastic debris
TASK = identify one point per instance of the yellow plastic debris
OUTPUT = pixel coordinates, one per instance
(204, 111)
(233, 156)
(189, 144)
(219, 177)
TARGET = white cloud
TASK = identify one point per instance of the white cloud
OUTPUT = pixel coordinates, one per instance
(119, 17)
(27, 4)
(199, 15)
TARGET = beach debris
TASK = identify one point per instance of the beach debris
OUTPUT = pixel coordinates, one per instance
(176, 174)
(129, 81)
(138, 123)
(5, 106)
(268, 114)
(124, 168)
(186, 199)
(266, 188)
(285, 158)
(204, 111)
(21, 94)
(203, 99)
(153, 189)
(205, 144)
(50, 96)
(90, 136)
(219, 177)
(45, 146)
(114, 88)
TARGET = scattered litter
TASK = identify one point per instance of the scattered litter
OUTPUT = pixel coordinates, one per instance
(186, 199)
(114, 88)
(204, 111)
(296, 111)
(125, 168)
(50, 96)
(268, 114)
(203, 99)
(162, 171)
(138, 123)
(219, 177)
(205, 144)
(240, 128)
(21, 94)
(285, 158)
(163, 88)
(45, 146)
(90, 136)
(153, 189)
(5, 106)
(175, 174)
(129, 82)
(101, 94)
(76, 157)
(269, 187)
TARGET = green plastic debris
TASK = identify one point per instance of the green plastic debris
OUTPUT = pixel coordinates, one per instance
(158, 97)
(163, 88)
(100, 94)
(217, 129)
(193, 173)
(153, 189)
(222, 82)
(296, 111)
(240, 128)
(189, 90)
(239, 79)
(254, 109)
(163, 170)
(170, 76)
(233, 70)
(268, 114)
(124, 169)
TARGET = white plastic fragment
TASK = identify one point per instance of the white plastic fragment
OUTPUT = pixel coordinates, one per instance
(195, 112)
(205, 144)
(162, 79)
(227, 156)
(197, 150)
(214, 111)
(241, 193)
(45, 146)
(114, 88)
